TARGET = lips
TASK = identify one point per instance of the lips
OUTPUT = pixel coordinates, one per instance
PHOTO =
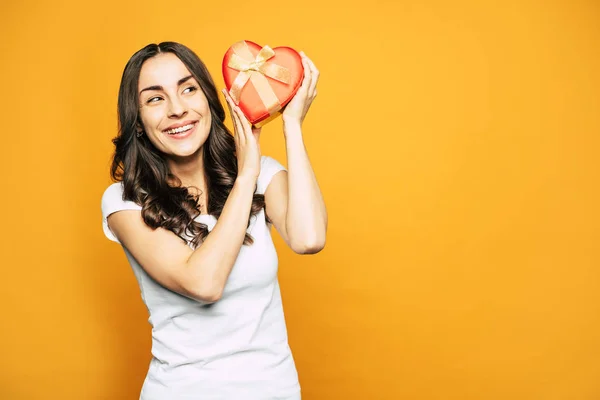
(187, 132)
(179, 125)
(181, 130)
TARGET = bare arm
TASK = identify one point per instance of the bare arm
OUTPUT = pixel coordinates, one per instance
(200, 274)
(294, 201)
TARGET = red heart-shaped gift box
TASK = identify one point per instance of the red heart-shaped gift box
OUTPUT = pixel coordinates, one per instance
(269, 79)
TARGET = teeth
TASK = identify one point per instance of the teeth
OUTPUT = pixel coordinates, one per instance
(180, 129)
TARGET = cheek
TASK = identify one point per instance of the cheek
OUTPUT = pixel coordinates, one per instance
(201, 104)
(150, 117)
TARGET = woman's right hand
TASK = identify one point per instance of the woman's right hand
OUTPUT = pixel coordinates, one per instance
(246, 141)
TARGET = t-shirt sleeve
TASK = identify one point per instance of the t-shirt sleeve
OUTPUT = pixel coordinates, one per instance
(112, 201)
(268, 168)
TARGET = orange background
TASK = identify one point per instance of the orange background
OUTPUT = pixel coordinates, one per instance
(456, 144)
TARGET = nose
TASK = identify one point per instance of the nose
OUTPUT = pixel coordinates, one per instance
(177, 108)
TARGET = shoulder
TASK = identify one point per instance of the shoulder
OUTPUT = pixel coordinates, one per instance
(115, 189)
(269, 166)
(112, 200)
(112, 194)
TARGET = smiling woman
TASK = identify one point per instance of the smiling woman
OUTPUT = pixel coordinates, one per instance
(157, 102)
(192, 207)
(175, 91)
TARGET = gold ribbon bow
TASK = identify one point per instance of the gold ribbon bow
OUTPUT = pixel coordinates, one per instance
(255, 70)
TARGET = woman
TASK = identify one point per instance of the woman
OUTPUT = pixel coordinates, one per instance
(192, 208)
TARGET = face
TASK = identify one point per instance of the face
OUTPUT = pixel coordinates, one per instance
(173, 109)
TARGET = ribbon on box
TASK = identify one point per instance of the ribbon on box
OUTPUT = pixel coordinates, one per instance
(255, 70)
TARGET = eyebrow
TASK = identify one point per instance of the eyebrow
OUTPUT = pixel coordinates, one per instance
(158, 87)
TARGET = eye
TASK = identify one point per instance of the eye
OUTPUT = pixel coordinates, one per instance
(151, 100)
(191, 89)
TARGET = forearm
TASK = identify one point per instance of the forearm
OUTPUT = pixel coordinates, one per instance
(306, 219)
(211, 263)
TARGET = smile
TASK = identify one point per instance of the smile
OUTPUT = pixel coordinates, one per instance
(179, 130)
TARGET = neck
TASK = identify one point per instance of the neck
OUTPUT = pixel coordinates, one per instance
(190, 170)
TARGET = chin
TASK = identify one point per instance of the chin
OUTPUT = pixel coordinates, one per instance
(188, 151)
(185, 152)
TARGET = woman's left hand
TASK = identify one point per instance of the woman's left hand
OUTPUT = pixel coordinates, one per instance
(296, 109)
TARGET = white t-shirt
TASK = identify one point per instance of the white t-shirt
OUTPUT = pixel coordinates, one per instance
(234, 349)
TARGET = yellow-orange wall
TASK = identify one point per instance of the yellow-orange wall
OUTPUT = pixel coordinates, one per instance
(456, 144)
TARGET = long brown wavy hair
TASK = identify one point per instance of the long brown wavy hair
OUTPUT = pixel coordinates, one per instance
(146, 177)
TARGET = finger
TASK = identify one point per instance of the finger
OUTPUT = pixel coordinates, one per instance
(230, 106)
(306, 81)
(235, 109)
(226, 95)
(239, 128)
(245, 125)
(314, 77)
(237, 123)
(244, 129)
